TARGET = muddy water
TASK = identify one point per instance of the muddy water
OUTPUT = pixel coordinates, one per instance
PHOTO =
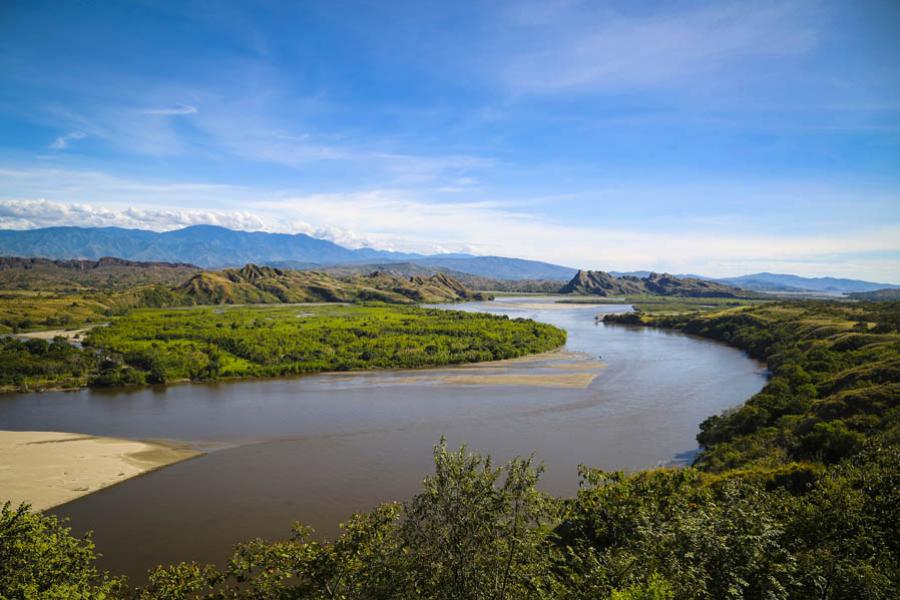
(318, 448)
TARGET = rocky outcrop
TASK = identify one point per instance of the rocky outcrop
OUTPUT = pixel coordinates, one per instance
(601, 283)
(254, 284)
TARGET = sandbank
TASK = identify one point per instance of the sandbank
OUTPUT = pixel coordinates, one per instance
(49, 468)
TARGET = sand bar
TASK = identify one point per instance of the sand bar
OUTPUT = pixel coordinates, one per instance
(49, 334)
(553, 369)
(48, 468)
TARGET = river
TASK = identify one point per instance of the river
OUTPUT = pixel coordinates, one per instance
(318, 448)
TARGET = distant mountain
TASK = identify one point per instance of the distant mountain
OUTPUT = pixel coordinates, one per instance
(774, 282)
(216, 247)
(600, 283)
(399, 269)
(204, 245)
(498, 267)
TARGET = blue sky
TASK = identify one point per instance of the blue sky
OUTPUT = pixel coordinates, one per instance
(719, 138)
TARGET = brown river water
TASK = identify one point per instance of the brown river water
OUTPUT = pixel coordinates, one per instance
(318, 448)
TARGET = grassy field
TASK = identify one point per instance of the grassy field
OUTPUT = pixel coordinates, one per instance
(22, 311)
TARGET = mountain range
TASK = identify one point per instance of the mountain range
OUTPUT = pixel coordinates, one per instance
(775, 282)
(213, 247)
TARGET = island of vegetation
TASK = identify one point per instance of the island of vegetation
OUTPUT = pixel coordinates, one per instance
(794, 495)
(209, 343)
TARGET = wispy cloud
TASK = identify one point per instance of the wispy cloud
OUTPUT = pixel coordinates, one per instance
(63, 141)
(30, 214)
(588, 45)
(179, 109)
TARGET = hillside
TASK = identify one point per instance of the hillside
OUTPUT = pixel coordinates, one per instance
(877, 295)
(105, 274)
(473, 282)
(601, 283)
(253, 284)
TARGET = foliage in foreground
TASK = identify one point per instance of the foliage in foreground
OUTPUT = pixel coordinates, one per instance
(480, 532)
(41, 560)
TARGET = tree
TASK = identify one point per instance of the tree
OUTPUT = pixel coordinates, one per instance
(477, 531)
(41, 560)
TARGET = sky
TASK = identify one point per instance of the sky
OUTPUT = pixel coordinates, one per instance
(717, 138)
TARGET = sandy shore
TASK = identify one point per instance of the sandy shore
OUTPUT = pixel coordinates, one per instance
(49, 334)
(553, 369)
(48, 468)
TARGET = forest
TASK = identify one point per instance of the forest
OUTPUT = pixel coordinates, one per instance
(153, 346)
(795, 495)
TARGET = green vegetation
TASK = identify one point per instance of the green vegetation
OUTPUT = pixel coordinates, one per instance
(207, 343)
(34, 311)
(41, 560)
(37, 364)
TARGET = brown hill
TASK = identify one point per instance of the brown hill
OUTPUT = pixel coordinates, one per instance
(254, 284)
(105, 274)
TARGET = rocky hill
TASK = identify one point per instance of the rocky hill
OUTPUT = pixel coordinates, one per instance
(601, 283)
(472, 282)
(253, 284)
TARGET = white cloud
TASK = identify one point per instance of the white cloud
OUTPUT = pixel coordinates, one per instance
(411, 221)
(62, 142)
(29, 214)
(178, 109)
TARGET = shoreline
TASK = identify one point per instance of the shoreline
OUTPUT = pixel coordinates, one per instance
(243, 378)
(49, 468)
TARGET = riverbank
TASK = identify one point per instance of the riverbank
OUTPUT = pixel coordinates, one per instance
(49, 468)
